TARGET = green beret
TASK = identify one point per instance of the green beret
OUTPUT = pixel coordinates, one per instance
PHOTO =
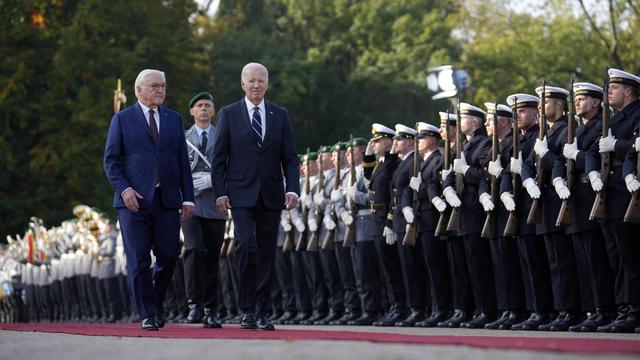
(203, 95)
(358, 142)
(337, 145)
(324, 149)
(313, 156)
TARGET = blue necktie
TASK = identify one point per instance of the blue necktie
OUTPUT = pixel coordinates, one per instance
(203, 141)
(256, 124)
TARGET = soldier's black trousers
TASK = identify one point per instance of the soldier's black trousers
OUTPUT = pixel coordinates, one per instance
(391, 263)
(507, 274)
(413, 274)
(622, 240)
(434, 253)
(317, 287)
(480, 267)
(535, 273)
(371, 274)
(300, 285)
(595, 274)
(347, 277)
(460, 281)
(563, 270)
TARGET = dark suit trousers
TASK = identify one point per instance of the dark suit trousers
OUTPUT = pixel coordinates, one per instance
(507, 274)
(595, 275)
(480, 266)
(563, 270)
(434, 252)
(155, 228)
(202, 241)
(256, 232)
(413, 274)
(315, 280)
(460, 282)
(370, 274)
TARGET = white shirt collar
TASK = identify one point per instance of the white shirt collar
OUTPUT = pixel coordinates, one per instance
(145, 112)
(250, 107)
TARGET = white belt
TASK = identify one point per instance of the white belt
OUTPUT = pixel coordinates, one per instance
(363, 212)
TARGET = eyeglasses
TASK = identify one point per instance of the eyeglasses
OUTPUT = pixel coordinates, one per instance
(156, 87)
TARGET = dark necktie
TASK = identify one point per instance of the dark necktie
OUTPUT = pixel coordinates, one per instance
(256, 124)
(203, 141)
(153, 126)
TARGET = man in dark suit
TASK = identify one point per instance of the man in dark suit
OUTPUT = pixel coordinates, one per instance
(146, 162)
(254, 152)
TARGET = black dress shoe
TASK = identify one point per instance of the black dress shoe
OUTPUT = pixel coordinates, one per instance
(412, 319)
(479, 321)
(210, 321)
(630, 323)
(248, 321)
(436, 316)
(392, 318)
(514, 317)
(316, 316)
(286, 316)
(459, 316)
(600, 317)
(263, 324)
(161, 320)
(299, 318)
(195, 314)
(149, 324)
(332, 316)
(535, 319)
(346, 317)
(275, 314)
(547, 325)
(364, 320)
(495, 325)
(569, 319)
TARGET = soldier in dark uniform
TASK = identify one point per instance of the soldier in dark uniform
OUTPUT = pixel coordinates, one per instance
(533, 259)
(560, 253)
(597, 278)
(434, 251)
(379, 177)
(471, 165)
(204, 232)
(622, 236)
(504, 249)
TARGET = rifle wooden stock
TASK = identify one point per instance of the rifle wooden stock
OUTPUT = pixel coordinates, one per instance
(411, 235)
(564, 215)
(535, 213)
(300, 241)
(599, 208)
(443, 220)
(511, 228)
(312, 244)
(454, 220)
(489, 227)
(633, 210)
(329, 240)
(350, 233)
(288, 242)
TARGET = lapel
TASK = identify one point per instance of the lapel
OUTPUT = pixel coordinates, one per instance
(164, 122)
(142, 121)
(268, 122)
(427, 161)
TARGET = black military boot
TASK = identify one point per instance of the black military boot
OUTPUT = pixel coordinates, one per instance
(209, 320)
(195, 313)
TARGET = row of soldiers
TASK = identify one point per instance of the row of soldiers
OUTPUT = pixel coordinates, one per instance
(530, 227)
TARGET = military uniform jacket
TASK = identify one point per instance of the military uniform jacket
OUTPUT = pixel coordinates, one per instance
(206, 200)
(430, 187)
(380, 184)
(501, 214)
(521, 197)
(364, 222)
(553, 166)
(107, 252)
(582, 194)
(477, 154)
(400, 182)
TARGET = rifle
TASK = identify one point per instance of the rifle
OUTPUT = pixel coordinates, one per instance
(312, 245)
(564, 215)
(535, 211)
(633, 210)
(350, 234)
(330, 238)
(454, 219)
(599, 208)
(300, 241)
(288, 239)
(441, 228)
(511, 228)
(225, 243)
(489, 227)
(410, 236)
(118, 97)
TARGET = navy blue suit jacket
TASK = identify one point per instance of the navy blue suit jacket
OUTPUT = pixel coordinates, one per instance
(132, 159)
(243, 170)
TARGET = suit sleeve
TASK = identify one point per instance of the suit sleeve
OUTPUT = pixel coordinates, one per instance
(113, 157)
(290, 164)
(186, 184)
(220, 155)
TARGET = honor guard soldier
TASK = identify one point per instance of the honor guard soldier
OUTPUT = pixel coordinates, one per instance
(204, 232)
(623, 132)
(380, 203)
(504, 249)
(547, 158)
(427, 185)
(596, 275)
(471, 166)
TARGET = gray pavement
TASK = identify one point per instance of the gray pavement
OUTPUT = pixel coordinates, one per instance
(43, 346)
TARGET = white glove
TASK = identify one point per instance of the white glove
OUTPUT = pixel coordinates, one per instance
(561, 188)
(415, 182)
(507, 201)
(299, 225)
(540, 147)
(336, 194)
(570, 151)
(439, 203)
(389, 235)
(352, 192)
(460, 165)
(329, 223)
(451, 197)
(313, 225)
(516, 164)
(595, 180)
(286, 225)
(607, 144)
(347, 219)
(369, 149)
(632, 183)
(202, 182)
(487, 204)
(408, 214)
(636, 145)
(495, 167)
(532, 188)
(318, 198)
(446, 172)
(307, 200)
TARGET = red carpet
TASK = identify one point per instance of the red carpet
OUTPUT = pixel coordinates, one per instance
(176, 331)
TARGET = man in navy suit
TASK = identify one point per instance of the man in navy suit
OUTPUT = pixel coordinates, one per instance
(146, 162)
(254, 164)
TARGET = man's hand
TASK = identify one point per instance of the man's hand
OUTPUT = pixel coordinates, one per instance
(540, 147)
(495, 168)
(369, 149)
(130, 198)
(507, 200)
(187, 212)
(290, 201)
(607, 144)
(595, 180)
(223, 204)
(415, 183)
(460, 166)
(570, 151)
(516, 164)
